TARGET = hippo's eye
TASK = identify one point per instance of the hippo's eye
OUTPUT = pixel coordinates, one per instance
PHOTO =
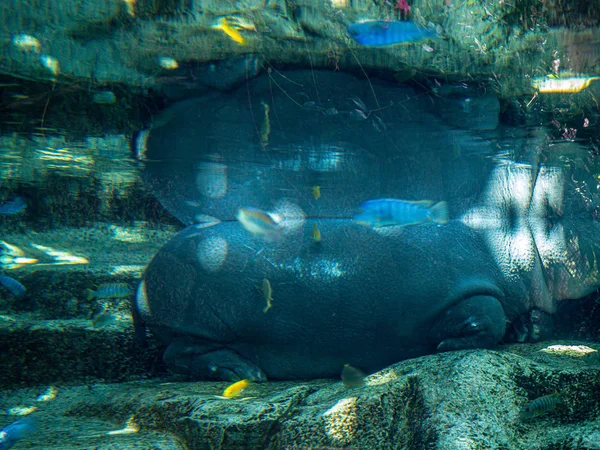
(470, 326)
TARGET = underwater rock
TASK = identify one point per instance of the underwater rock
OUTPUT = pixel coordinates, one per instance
(439, 401)
(195, 79)
(463, 106)
(118, 41)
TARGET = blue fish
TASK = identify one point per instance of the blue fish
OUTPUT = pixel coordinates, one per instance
(13, 286)
(380, 33)
(15, 432)
(14, 206)
(387, 212)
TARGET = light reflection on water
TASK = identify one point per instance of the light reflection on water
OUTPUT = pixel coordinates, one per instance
(31, 160)
(92, 198)
(87, 220)
(527, 194)
(105, 170)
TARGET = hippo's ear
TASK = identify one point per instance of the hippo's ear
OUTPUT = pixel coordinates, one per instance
(474, 322)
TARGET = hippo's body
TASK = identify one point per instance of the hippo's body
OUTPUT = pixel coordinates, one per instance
(356, 297)
(360, 296)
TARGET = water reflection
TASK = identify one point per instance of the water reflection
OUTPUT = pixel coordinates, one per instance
(527, 194)
(211, 179)
(30, 160)
(85, 219)
(516, 216)
(520, 207)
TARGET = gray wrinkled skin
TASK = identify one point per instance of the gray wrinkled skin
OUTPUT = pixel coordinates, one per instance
(517, 243)
(360, 299)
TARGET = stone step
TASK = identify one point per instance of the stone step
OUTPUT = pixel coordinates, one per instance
(38, 351)
(453, 400)
(47, 336)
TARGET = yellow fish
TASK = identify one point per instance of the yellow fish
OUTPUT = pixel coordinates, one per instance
(27, 42)
(267, 291)
(230, 31)
(570, 84)
(50, 63)
(316, 192)
(130, 6)
(236, 389)
(316, 234)
(265, 128)
(50, 394)
(168, 63)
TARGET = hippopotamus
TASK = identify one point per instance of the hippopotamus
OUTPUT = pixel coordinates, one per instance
(357, 295)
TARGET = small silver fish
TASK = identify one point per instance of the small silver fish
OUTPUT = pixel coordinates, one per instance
(12, 257)
(258, 222)
(352, 377)
(60, 257)
(205, 221)
(167, 62)
(103, 319)
(359, 103)
(111, 290)
(540, 406)
(104, 97)
(379, 124)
